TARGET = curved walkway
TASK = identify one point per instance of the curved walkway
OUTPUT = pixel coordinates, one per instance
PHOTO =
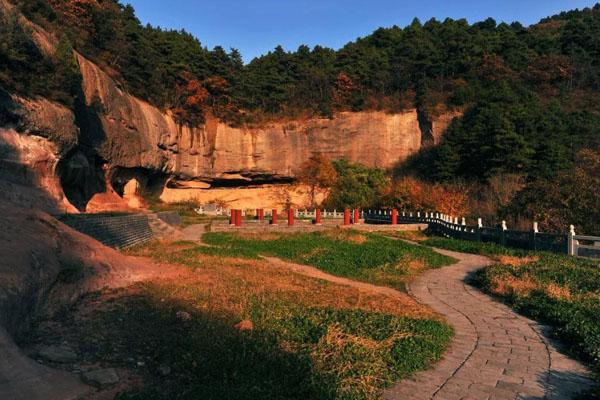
(495, 354)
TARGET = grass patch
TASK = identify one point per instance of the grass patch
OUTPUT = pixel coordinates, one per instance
(361, 256)
(309, 339)
(464, 246)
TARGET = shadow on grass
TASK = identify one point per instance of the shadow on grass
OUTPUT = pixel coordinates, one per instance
(565, 385)
(208, 357)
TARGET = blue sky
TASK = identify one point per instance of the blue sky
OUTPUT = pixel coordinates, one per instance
(256, 26)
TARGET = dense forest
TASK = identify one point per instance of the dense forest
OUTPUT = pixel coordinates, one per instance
(530, 95)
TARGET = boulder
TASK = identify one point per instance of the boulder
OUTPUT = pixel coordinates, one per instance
(58, 354)
(101, 378)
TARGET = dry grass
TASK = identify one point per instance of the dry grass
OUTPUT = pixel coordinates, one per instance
(516, 261)
(511, 285)
(330, 353)
(345, 235)
(558, 292)
(264, 236)
(270, 333)
(227, 281)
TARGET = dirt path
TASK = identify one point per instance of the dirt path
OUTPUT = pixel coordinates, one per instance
(313, 272)
(495, 354)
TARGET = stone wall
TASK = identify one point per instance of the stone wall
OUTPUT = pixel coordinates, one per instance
(117, 231)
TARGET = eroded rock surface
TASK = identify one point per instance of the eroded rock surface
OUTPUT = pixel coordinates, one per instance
(131, 133)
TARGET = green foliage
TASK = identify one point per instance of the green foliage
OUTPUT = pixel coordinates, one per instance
(356, 186)
(463, 246)
(67, 76)
(21, 62)
(568, 197)
(378, 259)
(512, 132)
(26, 70)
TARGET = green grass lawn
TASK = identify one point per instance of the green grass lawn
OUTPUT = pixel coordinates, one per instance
(310, 339)
(464, 246)
(292, 353)
(556, 289)
(361, 256)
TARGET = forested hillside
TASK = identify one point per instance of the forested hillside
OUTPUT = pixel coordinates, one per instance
(530, 95)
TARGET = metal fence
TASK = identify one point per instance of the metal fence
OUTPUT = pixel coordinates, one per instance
(449, 226)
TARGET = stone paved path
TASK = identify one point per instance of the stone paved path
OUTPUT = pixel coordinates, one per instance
(495, 355)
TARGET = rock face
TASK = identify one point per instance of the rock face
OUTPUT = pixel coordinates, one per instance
(130, 133)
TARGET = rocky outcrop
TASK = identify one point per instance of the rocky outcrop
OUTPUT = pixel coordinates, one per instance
(130, 133)
(34, 137)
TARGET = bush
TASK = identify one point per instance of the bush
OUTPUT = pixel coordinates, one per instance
(356, 186)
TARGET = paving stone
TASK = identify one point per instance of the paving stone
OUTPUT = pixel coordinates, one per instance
(496, 354)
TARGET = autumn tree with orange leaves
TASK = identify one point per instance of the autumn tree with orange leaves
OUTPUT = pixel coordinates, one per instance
(190, 100)
(408, 193)
(343, 90)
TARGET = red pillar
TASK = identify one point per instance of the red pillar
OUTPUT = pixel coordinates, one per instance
(291, 217)
(260, 214)
(238, 218)
(274, 217)
(347, 216)
(232, 217)
(318, 217)
(394, 217)
(356, 216)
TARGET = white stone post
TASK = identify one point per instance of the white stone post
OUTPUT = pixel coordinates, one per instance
(535, 228)
(479, 223)
(572, 245)
(464, 221)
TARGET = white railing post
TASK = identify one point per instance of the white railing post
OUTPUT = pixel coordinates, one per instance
(535, 228)
(464, 222)
(503, 234)
(572, 246)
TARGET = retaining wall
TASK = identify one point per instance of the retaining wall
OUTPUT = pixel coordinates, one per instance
(117, 231)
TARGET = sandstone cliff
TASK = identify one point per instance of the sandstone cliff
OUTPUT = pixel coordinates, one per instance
(111, 137)
(133, 134)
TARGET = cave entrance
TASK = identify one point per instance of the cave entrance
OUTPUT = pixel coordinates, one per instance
(81, 177)
(151, 183)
